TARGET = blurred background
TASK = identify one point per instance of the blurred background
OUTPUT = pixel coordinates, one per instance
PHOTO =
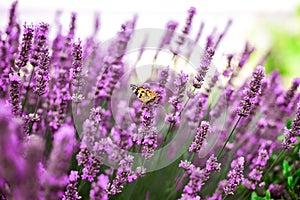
(267, 24)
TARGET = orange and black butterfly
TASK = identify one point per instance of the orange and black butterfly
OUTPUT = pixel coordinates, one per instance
(144, 94)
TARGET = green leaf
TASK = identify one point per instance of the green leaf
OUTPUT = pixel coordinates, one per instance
(268, 195)
(289, 123)
(286, 168)
(295, 182)
(259, 198)
(290, 182)
(253, 195)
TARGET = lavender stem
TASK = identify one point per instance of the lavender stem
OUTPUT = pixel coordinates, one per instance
(228, 138)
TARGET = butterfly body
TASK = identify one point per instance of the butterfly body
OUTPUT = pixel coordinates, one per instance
(144, 94)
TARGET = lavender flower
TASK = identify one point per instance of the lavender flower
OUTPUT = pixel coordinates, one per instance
(228, 71)
(291, 134)
(56, 173)
(25, 48)
(76, 72)
(235, 175)
(257, 168)
(200, 138)
(196, 109)
(276, 190)
(33, 155)
(176, 100)
(12, 164)
(41, 77)
(198, 177)
(71, 192)
(251, 92)
(99, 188)
(285, 100)
(187, 27)
(123, 173)
(39, 43)
(246, 54)
(14, 93)
(85, 158)
(203, 68)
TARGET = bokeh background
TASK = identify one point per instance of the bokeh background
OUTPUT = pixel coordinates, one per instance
(268, 25)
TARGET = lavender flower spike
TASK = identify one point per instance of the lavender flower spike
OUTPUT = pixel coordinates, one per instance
(200, 138)
(99, 188)
(56, 178)
(25, 48)
(291, 134)
(198, 177)
(251, 92)
(257, 169)
(235, 176)
(15, 93)
(71, 192)
(42, 73)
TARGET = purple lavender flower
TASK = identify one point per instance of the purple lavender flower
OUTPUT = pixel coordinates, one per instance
(15, 93)
(12, 164)
(99, 188)
(257, 168)
(39, 43)
(113, 65)
(284, 101)
(123, 173)
(276, 190)
(203, 68)
(176, 100)
(25, 48)
(251, 93)
(187, 28)
(200, 138)
(77, 73)
(198, 177)
(41, 77)
(196, 109)
(72, 28)
(85, 158)
(55, 178)
(34, 149)
(246, 55)
(168, 35)
(235, 175)
(228, 71)
(212, 82)
(291, 134)
(71, 191)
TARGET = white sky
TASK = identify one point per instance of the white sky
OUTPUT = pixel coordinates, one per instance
(248, 16)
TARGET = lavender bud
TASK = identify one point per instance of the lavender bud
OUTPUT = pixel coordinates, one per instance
(200, 138)
(251, 92)
(235, 175)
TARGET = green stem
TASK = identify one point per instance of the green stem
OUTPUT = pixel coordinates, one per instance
(274, 163)
(228, 138)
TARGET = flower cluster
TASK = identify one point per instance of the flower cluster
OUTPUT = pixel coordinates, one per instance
(235, 175)
(72, 129)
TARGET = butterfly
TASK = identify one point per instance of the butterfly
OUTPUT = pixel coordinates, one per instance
(144, 94)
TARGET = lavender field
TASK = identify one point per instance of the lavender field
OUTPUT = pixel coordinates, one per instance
(82, 118)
